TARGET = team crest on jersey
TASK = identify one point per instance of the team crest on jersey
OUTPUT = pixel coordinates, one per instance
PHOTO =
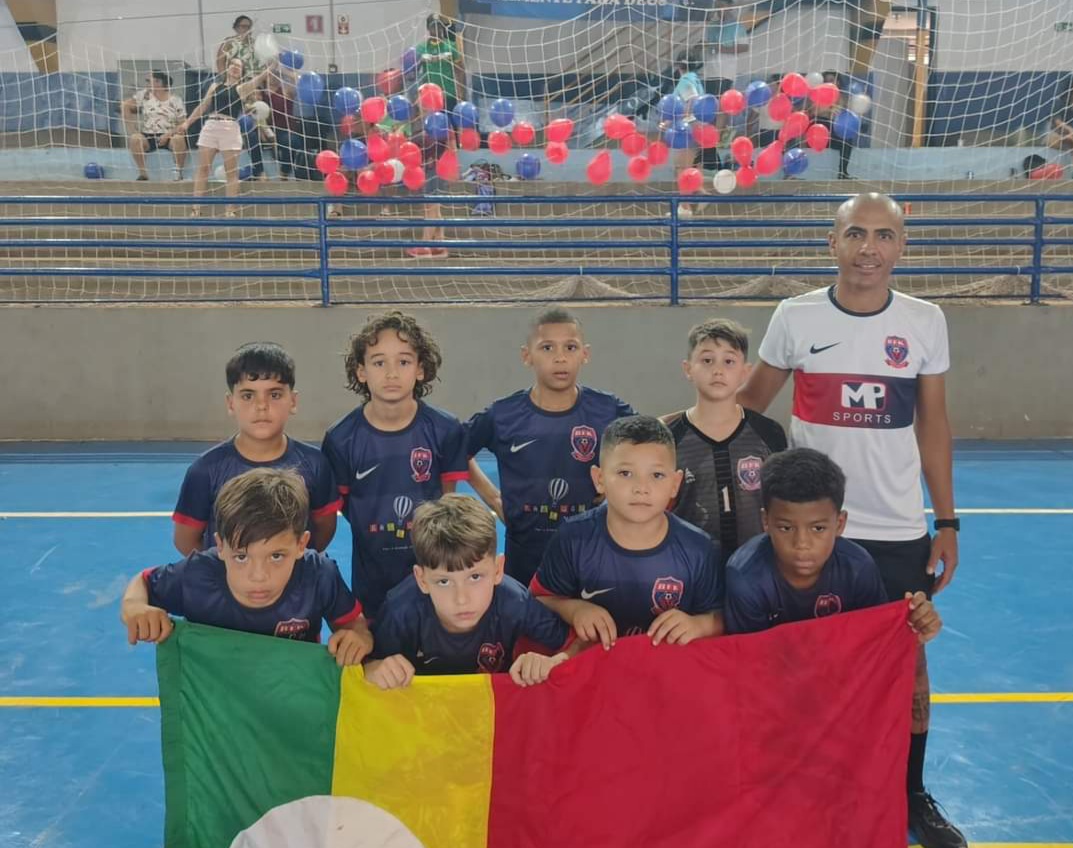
(897, 350)
(292, 628)
(421, 464)
(583, 443)
(827, 605)
(666, 594)
(749, 473)
(490, 656)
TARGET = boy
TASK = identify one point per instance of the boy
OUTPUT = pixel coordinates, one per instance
(393, 452)
(629, 567)
(544, 440)
(801, 567)
(460, 614)
(260, 397)
(260, 578)
(720, 445)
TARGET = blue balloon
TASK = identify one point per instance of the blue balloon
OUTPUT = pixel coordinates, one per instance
(93, 171)
(399, 108)
(346, 101)
(678, 136)
(705, 108)
(757, 94)
(354, 154)
(847, 125)
(246, 123)
(502, 112)
(438, 125)
(292, 59)
(409, 61)
(466, 115)
(310, 87)
(528, 166)
(857, 86)
(794, 162)
(245, 172)
(671, 107)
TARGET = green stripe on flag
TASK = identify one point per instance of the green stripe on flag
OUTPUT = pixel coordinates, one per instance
(232, 748)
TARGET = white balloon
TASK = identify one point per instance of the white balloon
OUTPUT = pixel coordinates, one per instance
(860, 103)
(398, 168)
(260, 110)
(725, 181)
(814, 79)
(265, 47)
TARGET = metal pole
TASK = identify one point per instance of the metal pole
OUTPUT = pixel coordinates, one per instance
(1035, 293)
(674, 251)
(322, 232)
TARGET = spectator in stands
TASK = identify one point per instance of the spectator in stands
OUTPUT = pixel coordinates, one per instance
(724, 40)
(1037, 168)
(153, 115)
(240, 46)
(290, 146)
(1061, 134)
(441, 61)
(688, 87)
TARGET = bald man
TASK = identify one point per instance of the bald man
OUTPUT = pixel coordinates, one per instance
(869, 367)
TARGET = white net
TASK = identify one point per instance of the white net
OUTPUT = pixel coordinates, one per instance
(940, 98)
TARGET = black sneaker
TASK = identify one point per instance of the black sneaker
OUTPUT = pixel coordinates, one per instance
(929, 824)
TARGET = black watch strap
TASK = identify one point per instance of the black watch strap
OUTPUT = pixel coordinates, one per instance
(943, 523)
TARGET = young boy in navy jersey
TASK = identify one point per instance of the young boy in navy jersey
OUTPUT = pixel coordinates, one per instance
(545, 441)
(628, 566)
(393, 452)
(260, 397)
(460, 614)
(720, 445)
(801, 567)
(260, 578)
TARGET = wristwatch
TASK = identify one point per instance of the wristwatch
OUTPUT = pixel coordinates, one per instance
(944, 523)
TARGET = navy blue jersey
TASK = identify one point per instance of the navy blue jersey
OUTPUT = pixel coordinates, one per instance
(583, 561)
(544, 460)
(758, 597)
(408, 625)
(208, 473)
(196, 589)
(383, 476)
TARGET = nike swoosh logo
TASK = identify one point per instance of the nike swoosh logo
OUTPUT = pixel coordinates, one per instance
(815, 349)
(361, 475)
(516, 448)
(588, 596)
(430, 659)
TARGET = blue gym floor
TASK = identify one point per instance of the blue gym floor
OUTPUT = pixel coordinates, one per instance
(86, 774)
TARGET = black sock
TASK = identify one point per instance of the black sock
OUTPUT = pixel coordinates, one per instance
(918, 742)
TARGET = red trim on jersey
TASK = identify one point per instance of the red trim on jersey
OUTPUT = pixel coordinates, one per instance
(147, 573)
(329, 509)
(349, 617)
(538, 591)
(454, 476)
(344, 490)
(179, 518)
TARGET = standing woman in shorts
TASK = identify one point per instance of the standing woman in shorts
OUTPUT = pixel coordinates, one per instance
(220, 132)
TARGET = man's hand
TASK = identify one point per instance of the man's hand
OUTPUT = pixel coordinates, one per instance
(147, 624)
(350, 647)
(676, 628)
(531, 669)
(593, 623)
(944, 546)
(923, 617)
(393, 672)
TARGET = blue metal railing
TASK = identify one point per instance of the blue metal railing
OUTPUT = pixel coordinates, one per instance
(313, 259)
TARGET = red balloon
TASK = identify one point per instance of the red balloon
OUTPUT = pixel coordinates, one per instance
(818, 137)
(556, 152)
(639, 169)
(385, 172)
(617, 126)
(741, 149)
(367, 182)
(373, 109)
(770, 159)
(376, 145)
(658, 153)
(825, 95)
(732, 102)
(410, 154)
(327, 162)
(705, 135)
(690, 180)
(794, 85)
(796, 124)
(335, 183)
(413, 178)
(347, 125)
(780, 107)
(395, 141)
(499, 142)
(447, 166)
(746, 177)
(430, 96)
(633, 143)
(559, 130)
(599, 169)
(469, 139)
(389, 82)
(523, 133)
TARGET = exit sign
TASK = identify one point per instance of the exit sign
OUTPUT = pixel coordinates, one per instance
(281, 27)
(1064, 26)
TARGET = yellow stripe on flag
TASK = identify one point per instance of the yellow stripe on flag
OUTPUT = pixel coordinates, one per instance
(423, 753)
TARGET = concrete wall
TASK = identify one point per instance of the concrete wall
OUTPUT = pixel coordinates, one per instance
(157, 372)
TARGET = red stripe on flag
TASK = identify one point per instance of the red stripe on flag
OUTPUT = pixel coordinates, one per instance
(799, 735)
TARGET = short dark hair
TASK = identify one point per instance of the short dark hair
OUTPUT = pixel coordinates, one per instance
(691, 58)
(240, 19)
(453, 533)
(720, 329)
(437, 22)
(802, 475)
(553, 315)
(1032, 162)
(162, 78)
(260, 361)
(636, 430)
(260, 504)
(428, 352)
